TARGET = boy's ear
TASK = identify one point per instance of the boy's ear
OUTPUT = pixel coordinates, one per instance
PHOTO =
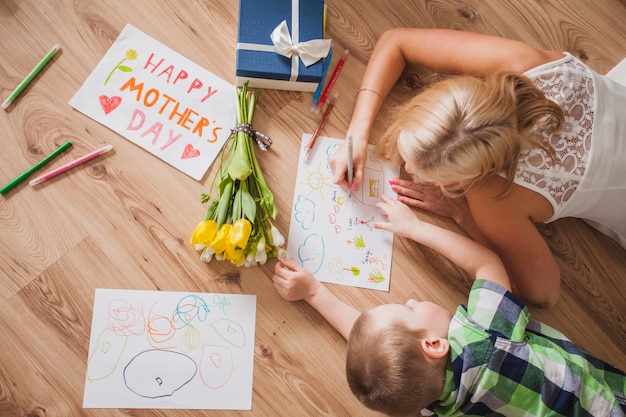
(436, 347)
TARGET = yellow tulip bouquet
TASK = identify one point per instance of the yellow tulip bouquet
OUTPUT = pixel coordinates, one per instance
(238, 223)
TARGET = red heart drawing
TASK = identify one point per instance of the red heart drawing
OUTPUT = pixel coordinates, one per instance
(109, 104)
(190, 152)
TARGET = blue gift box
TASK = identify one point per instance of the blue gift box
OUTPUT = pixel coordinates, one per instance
(257, 60)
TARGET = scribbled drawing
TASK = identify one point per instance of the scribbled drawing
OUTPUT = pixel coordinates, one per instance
(231, 332)
(158, 373)
(376, 276)
(216, 365)
(304, 212)
(330, 151)
(373, 180)
(358, 242)
(317, 181)
(367, 223)
(378, 261)
(190, 308)
(354, 270)
(125, 319)
(311, 253)
(221, 302)
(105, 356)
(335, 267)
(161, 330)
(192, 339)
(374, 186)
(130, 55)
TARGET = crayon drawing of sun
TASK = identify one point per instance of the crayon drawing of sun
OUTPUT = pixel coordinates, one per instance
(316, 180)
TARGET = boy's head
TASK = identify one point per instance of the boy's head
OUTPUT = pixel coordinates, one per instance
(397, 356)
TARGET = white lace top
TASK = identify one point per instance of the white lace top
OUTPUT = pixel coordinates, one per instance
(588, 178)
(568, 83)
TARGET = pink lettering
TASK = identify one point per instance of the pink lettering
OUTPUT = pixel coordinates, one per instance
(171, 140)
(209, 94)
(150, 63)
(195, 84)
(137, 115)
(155, 129)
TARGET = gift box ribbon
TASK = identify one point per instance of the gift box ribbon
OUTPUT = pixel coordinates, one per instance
(289, 46)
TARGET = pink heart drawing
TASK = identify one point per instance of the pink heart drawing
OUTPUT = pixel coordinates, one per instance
(109, 104)
(190, 152)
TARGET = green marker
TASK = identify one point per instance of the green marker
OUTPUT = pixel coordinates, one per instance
(30, 76)
(35, 167)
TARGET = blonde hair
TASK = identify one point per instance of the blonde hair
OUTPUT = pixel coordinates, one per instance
(460, 132)
(386, 368)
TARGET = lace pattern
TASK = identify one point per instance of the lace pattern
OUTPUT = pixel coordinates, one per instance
(569, 84)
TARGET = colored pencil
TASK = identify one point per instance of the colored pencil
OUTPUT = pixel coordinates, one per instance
(331, 82)
(70, 165)
(34, 168)
(21, 86)
(318, 91)
(350, 164)
(309, 147)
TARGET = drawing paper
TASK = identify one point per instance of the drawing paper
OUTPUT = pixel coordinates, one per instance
(160, 349)
(161, 101)
(331, 234)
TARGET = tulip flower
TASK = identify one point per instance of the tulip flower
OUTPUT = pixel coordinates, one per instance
(237, 225)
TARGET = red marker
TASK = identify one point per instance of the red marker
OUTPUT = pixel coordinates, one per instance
(332, 80)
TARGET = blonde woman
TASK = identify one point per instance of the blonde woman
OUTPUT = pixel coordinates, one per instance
(517, 136)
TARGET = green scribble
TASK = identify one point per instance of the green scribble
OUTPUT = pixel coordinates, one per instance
(355, 271)
(376, 277)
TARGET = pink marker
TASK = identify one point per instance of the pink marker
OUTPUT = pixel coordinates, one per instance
(70, 165)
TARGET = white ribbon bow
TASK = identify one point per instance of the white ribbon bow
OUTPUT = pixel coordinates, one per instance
(309, 51)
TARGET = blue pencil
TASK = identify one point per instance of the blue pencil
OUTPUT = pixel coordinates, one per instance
(318, 92)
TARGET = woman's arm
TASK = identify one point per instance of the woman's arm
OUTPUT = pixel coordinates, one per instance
(440, 50)
(509, 225)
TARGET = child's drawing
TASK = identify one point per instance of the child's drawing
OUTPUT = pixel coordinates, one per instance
(161, 101)
(158, 349)
(331, 234)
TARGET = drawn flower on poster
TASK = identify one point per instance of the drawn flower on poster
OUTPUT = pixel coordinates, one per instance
(131, 55)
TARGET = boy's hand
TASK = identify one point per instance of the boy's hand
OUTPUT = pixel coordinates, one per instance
(293, 282)
(401, 219)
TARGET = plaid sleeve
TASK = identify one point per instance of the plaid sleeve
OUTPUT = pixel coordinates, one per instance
(497, 310)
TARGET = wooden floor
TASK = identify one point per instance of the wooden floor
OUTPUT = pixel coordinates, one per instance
(123, 220)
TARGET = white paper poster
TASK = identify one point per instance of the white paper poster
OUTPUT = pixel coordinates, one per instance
(331, 234)
(161, 101)
(159, 349)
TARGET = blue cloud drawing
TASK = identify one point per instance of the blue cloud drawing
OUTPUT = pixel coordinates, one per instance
(304, 210)
(311, 253)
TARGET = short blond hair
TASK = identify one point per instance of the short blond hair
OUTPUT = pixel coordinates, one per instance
(387, 370)
(460, 132)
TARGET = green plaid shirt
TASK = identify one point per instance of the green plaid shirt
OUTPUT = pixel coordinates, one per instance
(503, 363)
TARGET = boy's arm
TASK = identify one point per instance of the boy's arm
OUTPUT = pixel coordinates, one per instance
(477, 260)
(295, 283)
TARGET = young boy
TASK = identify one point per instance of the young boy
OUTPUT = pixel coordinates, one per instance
(489, 358)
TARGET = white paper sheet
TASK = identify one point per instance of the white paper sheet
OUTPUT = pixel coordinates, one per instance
(159, 349)
(332, 235)
(161, 101)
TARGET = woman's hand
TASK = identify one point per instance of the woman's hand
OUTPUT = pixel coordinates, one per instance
(430, 198)
(339, 164)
